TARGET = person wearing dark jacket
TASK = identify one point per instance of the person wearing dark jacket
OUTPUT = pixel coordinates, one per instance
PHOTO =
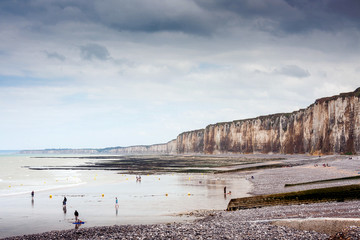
(76, 216)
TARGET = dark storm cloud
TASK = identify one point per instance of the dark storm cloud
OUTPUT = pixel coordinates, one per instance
(328, 15)
(94, 51)
(154, 16)
(46, 12)
(136, 15)
(192, 16)
(294, 16)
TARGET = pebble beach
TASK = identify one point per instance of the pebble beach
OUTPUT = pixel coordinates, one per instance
(243, 224)
(330, 220)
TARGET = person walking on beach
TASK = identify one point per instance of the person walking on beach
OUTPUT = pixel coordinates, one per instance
(76, 216)
(116, 206)
(225, 190)
(64, 201)
(32, 198)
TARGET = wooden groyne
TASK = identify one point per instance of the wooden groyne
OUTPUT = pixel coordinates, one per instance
(342, 193)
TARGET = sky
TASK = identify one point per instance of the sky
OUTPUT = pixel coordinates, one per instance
(106, 73)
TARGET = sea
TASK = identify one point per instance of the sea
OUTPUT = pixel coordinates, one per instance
(162, 198)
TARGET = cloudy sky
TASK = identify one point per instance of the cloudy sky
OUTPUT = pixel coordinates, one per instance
(94, 73)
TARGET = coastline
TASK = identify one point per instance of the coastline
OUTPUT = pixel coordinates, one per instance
(259, 223)
(157, 198)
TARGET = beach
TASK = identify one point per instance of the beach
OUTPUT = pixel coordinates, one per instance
(274, 222)
(157, 198)
(244, 224)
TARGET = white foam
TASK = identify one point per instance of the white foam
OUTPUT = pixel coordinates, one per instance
(41, 189)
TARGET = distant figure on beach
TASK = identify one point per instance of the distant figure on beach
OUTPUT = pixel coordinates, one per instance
(64, 209)
(252, 177)
(76, 216)
(225, 190)
(116, 206)
(138, 178)
(32, 194)
(64, 201)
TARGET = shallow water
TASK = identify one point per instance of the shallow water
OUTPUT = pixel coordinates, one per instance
(156, 199)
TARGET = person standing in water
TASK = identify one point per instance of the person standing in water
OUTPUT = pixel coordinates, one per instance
(64, 205)
(76, 216)
(32, 198)
(116, 206)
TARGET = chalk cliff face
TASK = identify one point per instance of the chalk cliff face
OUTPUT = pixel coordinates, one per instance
(166, 148)
(60, 151)
(330, 125)
(191, 142)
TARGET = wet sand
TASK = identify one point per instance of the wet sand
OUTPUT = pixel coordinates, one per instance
(156, 199)
(254, 224)
(259, 223)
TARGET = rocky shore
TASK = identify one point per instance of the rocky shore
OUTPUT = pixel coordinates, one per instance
(329, 220)
(244, 224)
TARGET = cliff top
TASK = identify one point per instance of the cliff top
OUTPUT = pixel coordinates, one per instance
(355, 93)
(191, 131)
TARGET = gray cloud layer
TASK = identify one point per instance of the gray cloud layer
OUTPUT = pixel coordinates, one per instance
(193, 16)
(94, 51)
(55, 55)
(293, 15)
(293, 71)
(140, 72)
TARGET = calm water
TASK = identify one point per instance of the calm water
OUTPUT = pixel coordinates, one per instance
(156, 199)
